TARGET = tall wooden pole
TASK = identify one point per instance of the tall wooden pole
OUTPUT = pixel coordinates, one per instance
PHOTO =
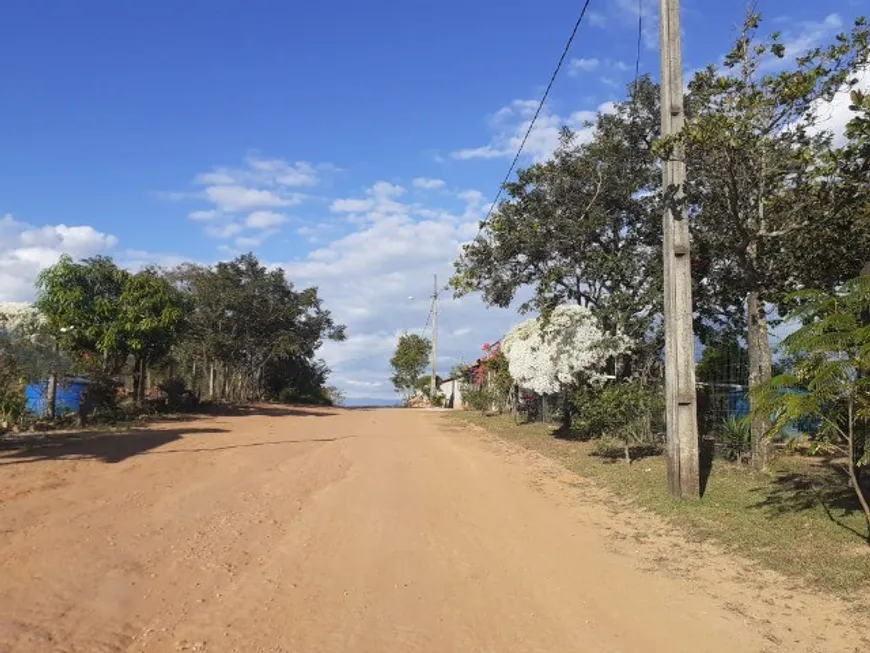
(434, 338)
(681, 415)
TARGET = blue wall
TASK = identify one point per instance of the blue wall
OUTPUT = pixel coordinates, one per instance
(67, 398)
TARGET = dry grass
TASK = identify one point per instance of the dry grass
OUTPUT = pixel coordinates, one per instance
(800, 519)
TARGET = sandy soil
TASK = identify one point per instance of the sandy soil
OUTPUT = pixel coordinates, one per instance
(363, 531)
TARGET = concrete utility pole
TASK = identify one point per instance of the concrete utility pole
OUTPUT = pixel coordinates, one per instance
(434, 338)
(680, 402)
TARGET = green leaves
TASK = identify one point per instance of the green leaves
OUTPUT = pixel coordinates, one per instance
(582, 227)
(409, 361)
(238, 313)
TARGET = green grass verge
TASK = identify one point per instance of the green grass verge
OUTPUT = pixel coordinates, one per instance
(800, 519)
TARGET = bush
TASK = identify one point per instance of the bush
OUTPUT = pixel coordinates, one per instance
(480, 400)
(292, 396)
(734, 439)
(178, 396)
(624, 412)
(12, 408)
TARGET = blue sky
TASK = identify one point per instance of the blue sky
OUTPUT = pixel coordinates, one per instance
(356, 144)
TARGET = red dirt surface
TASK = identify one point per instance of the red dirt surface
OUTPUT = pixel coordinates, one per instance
(364, 531)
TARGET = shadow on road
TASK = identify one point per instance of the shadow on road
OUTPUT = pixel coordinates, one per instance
(270, 443)
(105, 447)
(263, 410)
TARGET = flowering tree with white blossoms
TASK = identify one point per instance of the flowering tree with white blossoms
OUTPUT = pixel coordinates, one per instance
(25, 340)
(545, 356)
(19, 318)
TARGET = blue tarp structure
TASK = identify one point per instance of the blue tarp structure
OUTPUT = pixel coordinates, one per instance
(68, 396)
(737, 406)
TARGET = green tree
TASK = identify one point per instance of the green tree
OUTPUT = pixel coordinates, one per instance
(81, 303)
(832, 352)
(723, 360)
(250, 331)
(582, 228)
(409, 361)
(152, 313)
(755, 151)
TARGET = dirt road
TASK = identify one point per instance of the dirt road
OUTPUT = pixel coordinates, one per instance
(360, 531)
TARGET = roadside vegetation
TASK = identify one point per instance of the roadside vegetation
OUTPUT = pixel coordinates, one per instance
(157, 341)
(779, 210)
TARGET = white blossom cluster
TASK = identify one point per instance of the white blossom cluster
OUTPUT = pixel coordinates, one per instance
(19, 318)
(542, 356)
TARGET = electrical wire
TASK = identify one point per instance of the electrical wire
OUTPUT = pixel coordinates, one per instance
(636, 84)
(639, 46)
(535, 117)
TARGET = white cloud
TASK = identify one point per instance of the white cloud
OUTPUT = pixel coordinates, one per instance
(596, 19)
(247, 242)
(427, 183)
(351, 205)
(214, 177)
(835, 115)
(511, 122)
(805, 35)
(26, 250)
(627, 12)
(367, 276)
(203, 216)
(482, 152)
(258, 171)
(380, 200)
(226, 230)
(283, 173)
(256, 187)
(230, 199)
(618, 65)
(582, 65)
(135, 259)
(265, 220)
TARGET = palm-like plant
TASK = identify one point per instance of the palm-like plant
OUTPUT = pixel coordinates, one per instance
(832, 363)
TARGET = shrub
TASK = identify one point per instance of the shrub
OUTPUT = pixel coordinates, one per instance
(624, 412)
(178, 396)
(480, 400)
(292, 396)
(734, 439)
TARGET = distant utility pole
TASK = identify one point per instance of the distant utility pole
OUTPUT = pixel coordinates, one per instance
(434, 338)
(680, 401)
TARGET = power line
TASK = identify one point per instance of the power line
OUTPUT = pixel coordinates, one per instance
(634, 100)
(639, 45)
(535, 117)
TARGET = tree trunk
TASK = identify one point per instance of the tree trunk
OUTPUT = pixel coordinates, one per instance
(854, 479)
(137, 380)
(760, 369)
(51, 396)
(566, 408)
(142, 381)
(211, 375)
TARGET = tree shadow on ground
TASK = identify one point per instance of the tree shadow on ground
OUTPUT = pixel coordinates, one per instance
(794, 491)
(571, 435)
(707, 454)
(616, 454)
(104, 447)
(263, 410)
(269, 443)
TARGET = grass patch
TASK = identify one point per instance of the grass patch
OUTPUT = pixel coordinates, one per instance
(800, 519)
